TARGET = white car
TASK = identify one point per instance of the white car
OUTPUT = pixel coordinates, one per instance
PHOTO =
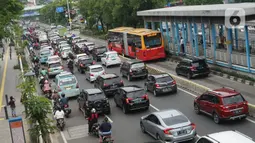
(65, 51)
(63, 45)
(54, 58)
(90, 45)
(77, 57)
(93, 71)
(110, 58)
(45, 48)
(225, 137)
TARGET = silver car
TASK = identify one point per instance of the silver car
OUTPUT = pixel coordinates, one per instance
(168, 126)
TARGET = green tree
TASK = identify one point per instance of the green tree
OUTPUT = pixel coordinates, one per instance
(37, 109)
(202, 2)
(10, 10)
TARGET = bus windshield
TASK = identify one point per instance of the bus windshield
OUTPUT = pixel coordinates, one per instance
(152, 41)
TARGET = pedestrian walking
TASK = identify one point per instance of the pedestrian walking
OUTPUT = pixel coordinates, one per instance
(10, 53)
(2, 56)
(13, 106)
(182, 45)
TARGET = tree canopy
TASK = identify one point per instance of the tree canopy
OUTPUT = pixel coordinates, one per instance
(202, 2)
(10, 10)
(113, 13)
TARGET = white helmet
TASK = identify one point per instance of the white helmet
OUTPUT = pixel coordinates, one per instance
(41, 77)
(93, 110)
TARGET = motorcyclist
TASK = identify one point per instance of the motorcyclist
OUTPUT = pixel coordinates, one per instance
(70, 64)
(43, 72)
(63, 100)
(59, 114)
(42, 80)
(36, 69)
(92, 119)
(46, 85)
(36, 59)
(86, 49)
(105, 128)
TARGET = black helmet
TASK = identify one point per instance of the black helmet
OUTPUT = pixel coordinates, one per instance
(63, 95)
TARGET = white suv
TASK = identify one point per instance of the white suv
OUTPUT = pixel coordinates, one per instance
(225, 137)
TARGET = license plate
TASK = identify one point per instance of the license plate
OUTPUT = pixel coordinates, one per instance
(238, 111)
(182, 132)
(114, 86)
(68, 88)
(137, 101)
(166, 89)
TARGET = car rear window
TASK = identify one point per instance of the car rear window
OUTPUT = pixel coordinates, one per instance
(113, 55)
(169, 121)
(96, 96)
(54, 65)
(101, 50)
(233, 99)
(87, 61)
(135, 94)
(54, 59)
(164, 79)
(200, 63)
(137, 65)
(67, 81)
(112, 80)
(98, 69)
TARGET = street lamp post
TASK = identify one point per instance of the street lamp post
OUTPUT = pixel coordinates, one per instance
(69, 15)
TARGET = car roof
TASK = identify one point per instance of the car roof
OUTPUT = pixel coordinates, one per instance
(85, 58)
(160, 75)
(109, 75)
(86, 43)
(52, 62)
(131, 88)
(99, 47)
(54, 56)
(192, 59)
(230, 137)
(65, 73)
(167, 113)
(132, 61)
(224, 92)
(95, 66)
(81, 55)
(93, 91)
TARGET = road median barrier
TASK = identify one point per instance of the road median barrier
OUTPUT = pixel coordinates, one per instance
(192, 86)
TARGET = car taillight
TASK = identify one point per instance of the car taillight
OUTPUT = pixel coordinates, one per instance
(62, 53)
(121, 81)
(157, 85)
(106, 59)
(224, 107)
(168, 131)
(66, 106)
(192, 68)
(81, 65)
(174, 82)
(103, 72)
(193, 126)
(49, 70)
(105, 85)
(128, 100)
(93, 62)
(77, 85)
(91, 74)
(145, 97)
(62, 67)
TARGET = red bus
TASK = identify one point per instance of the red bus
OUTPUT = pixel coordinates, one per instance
(143, 44)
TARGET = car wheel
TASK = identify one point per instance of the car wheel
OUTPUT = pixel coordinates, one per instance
(155, 93)
(142, 127)
(124, 109)
(197, 109)
(158, 137)
(216, 118)
(129, 78)
(145, 87)
(189, 76)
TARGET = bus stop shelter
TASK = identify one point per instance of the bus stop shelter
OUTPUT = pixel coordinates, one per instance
(184, 22)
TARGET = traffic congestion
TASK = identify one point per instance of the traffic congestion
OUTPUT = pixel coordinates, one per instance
(87, 81)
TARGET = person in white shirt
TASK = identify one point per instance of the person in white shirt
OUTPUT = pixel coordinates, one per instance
(59, 114)
(182, 45)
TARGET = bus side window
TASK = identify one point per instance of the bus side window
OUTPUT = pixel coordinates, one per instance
(137, 40)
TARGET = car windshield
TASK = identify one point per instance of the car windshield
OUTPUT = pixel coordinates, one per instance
(200, 63)
(45, 53)
(169, 121)
(137, 65)
(98, 69)
(67, 81)
(82, 41)
(96, 96)
(153, 40)
(164, 79)
(91, 45)
(54, 65)
(112, 80)
(113, 55)
(135, 94)
(54, 59)
(66, 50)
(87, 61)
(101, 50)
(233, 99)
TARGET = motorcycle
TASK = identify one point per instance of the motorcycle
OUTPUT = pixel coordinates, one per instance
(47, 90)
(106, 139)
(94, 130)
(67, 110)
(61, 124)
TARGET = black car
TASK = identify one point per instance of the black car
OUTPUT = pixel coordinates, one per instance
(192, 67)
(133, 69)
(93, 98)
(160, 84)
(131, 98)
(97, 53)
(109, 83)
(83, 63)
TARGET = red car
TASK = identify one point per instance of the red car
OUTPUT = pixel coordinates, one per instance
(222, 104)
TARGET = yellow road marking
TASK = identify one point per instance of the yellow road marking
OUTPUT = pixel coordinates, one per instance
(4, 77)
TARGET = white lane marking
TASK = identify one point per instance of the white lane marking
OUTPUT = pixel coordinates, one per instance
(109, 118)
(155, 108)
(250, 120)
(63, 137)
